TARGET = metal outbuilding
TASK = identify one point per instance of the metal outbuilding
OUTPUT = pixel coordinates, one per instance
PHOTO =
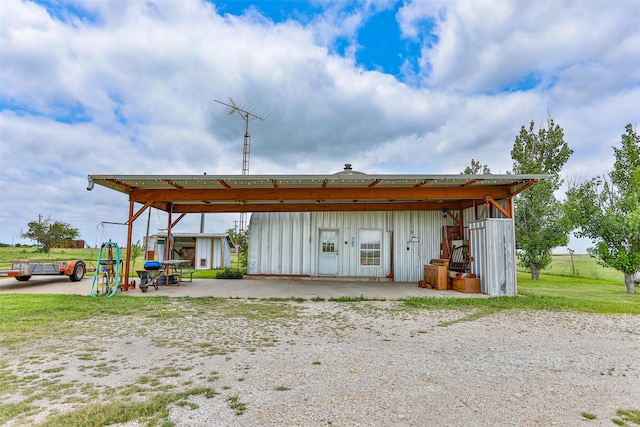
(204, 251)
(409, 208)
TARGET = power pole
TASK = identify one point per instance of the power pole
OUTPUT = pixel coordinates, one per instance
(246, 115)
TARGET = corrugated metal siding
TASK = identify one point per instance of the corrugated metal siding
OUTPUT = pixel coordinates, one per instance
(288, 244)
(348, 226)
(203, 251)
(469, 214)
(493, 249)
(226, 251)
(410, 256)
(215, 250)
(216, 253)
(279, 243)
(496, 212)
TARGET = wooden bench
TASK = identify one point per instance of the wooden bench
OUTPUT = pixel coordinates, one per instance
(182, 273)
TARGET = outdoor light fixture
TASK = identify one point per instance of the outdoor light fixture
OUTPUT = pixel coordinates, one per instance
(90, 184)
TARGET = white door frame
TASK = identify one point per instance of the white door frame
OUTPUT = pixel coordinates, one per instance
(328, 251)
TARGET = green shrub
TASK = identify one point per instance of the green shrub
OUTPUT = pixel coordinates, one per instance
(228, 273)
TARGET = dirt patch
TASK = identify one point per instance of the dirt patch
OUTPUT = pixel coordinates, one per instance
(325, 363)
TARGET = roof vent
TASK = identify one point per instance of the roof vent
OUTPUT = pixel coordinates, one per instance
(348, 171)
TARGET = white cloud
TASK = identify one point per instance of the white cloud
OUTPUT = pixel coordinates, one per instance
(484, 46)
(129, 88)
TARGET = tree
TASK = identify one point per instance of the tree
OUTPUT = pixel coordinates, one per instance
(476, 168)
(135, 252)
(50, 234)
(539, 221)
(241, 241)
(607, 210)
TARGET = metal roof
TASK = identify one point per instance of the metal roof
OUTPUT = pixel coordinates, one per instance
(192, 235)
(199, 236)
(347, 190)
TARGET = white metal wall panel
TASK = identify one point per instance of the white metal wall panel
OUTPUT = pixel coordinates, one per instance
(348, 226)
(468, 216)
(288, 244)
(203, 251)
(279, 243)
(259, 232)
(274, 255)
(493, 249)
(483, 212)
(226, 250)
(294, 244)
(417, 236)
(216, 253)
(255, 242)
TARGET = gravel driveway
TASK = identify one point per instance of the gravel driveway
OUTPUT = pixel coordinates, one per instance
(345, 364)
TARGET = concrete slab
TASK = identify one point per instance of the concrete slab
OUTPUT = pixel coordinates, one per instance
(241, 288)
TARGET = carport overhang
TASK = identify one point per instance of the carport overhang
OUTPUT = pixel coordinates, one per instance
(344, 191)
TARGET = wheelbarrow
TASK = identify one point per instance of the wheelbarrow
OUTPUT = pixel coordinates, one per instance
(155, 278)
(149, 277)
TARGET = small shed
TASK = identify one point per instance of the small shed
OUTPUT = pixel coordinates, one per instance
(204, 251)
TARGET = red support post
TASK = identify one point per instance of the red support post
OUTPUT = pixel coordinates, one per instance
(127, 264)
(167, 249)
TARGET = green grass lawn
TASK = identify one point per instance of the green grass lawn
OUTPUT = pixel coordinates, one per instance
(577, 293)
(584, 266)
(8, 254)
(594, 289)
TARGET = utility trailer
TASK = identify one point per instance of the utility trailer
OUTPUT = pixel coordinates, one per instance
(23, 270)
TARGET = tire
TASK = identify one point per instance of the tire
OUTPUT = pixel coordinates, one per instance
(173, 280)
(78, 272)
(23, 278)
(144, 284)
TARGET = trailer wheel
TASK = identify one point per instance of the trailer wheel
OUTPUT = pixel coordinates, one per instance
(23, 278)
(78, 272)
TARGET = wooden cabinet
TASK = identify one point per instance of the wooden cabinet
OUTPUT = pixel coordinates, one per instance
(470, 285)
(437, 276)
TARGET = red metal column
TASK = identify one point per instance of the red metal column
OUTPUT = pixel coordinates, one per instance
(127, 264)
(167, 246)
(167, 249)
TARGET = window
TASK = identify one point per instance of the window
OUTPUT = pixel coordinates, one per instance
(203, 262)
(370, 244)
(328, 247)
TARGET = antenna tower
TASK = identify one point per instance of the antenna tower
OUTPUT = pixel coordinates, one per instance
(247, 116)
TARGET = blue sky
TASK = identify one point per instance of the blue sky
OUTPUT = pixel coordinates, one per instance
(100, 87)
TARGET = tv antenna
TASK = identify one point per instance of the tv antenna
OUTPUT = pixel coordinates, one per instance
(247, 116)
